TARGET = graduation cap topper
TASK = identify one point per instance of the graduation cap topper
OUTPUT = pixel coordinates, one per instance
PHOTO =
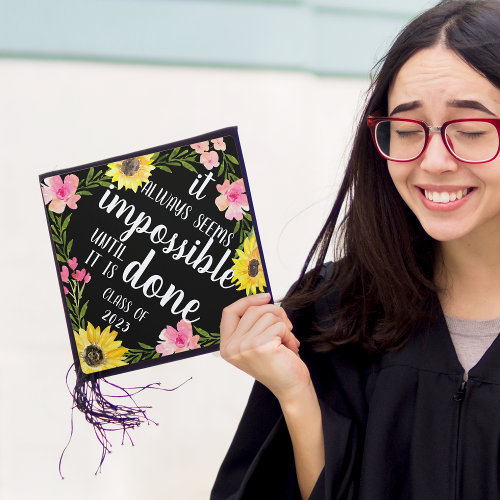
(149, 248)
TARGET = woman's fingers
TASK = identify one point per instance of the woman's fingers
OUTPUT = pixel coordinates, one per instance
(257, 338)
(253, 314)
(271, 324)
(240, 316)
(231, 315)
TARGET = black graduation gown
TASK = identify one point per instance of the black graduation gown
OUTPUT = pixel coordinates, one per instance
(398, 428)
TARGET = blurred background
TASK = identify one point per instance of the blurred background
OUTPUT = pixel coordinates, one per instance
(82, 81)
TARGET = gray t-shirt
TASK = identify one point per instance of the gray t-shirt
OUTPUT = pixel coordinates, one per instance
(471, 338)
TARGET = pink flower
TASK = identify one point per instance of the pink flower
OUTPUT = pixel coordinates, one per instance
(73, 263)
(66, 291)
(179, 340)
(200, 147)
(232, 198)
(219, 144)
(60, 193)
(65, 274)
(81, 276)
(210, 160)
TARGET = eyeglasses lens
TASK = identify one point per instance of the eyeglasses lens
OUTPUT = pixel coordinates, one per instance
(400, 140)
(473, 141)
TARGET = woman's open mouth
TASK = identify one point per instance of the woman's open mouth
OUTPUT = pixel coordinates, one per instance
(445, 200)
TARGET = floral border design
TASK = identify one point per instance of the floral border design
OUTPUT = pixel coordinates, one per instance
(232, 199)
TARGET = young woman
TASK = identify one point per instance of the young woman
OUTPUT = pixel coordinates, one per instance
(385, 384)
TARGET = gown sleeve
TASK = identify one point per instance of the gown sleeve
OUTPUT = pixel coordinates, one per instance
(260, 462)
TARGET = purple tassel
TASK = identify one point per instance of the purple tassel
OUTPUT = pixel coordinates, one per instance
(104, 415)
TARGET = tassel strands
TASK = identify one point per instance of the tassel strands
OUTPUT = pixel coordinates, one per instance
(103, 413)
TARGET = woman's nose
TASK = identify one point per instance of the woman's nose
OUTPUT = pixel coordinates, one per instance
(436, 158)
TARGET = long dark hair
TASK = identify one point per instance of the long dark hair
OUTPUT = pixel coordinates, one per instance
(385, 261)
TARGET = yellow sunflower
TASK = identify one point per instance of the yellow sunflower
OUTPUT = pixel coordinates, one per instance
(132, 172)
(248, 267)
(99, 350)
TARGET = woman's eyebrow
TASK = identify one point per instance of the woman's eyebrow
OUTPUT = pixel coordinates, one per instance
(469, 104)
(407, 106)
(455, 103)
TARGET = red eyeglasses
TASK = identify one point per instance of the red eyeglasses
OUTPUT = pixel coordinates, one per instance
(472, 140)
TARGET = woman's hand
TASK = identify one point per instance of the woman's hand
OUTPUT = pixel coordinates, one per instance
(257, 338)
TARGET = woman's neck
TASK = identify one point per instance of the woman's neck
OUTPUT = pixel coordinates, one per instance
(468, 275)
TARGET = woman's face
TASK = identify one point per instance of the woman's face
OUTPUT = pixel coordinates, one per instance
(435, 86)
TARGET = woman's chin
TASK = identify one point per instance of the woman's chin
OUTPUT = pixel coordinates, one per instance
(445, 232)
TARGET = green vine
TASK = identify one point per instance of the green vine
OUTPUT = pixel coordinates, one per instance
(76, 314)
(243, 227)
(93, 180)
(226, 168)
(58, 228)
(136, 355)
(176, 158)
(59, 225)
(207, 339)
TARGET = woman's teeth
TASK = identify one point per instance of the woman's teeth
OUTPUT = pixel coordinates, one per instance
(445, 197)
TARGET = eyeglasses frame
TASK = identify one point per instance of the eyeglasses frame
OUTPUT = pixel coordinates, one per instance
(374, 120)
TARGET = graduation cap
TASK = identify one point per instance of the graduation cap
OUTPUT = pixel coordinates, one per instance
(149, 248)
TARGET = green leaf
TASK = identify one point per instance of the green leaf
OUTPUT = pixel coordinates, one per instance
(89, 175)
(247, 215)
(105, 183)
(58, 221)
(54, 230)
(83, 309)
(145, 346)
(202, 332)
(232, 159)
(221, 170)
(162, 158)
(66, 222)
(164, 168)
(73, 319)
(183, 153)
(84, 193)
(154, 157)
(190, 167)
(207, 337)
(61, 259)
(208, 342)
(69, 247)
(56, 239)
(236, 228)
(135, 359)
(174, 153)
(156, 355)
(51, 215)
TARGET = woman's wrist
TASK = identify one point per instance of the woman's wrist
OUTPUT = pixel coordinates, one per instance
(302, 414)
(297, 399)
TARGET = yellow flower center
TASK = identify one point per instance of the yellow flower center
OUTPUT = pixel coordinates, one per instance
(93, 355)
(130, 166)
(253, 268)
